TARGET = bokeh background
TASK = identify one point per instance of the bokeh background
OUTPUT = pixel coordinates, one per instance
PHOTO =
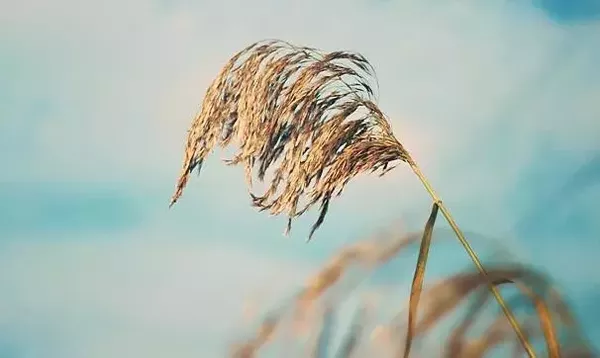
(497, 99)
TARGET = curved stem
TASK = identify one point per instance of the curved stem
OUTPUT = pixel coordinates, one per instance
(463, 241)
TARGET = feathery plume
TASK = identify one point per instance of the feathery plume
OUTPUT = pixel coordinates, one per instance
(308, 115)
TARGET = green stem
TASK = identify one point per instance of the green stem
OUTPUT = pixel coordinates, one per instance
(461, 238)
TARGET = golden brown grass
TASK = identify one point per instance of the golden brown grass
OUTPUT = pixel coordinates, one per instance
(309, 119)
(309, 115)
(543, 313)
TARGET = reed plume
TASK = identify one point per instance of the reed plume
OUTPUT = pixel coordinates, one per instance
(310, 117)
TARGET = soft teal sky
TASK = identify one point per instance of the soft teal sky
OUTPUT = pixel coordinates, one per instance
(497, 100)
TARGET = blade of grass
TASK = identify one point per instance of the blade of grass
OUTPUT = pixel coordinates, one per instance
(417, 283)
(546, 323)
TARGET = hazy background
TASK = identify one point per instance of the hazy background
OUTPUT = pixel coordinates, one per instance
(497, 99)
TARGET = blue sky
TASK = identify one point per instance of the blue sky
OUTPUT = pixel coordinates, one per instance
(497, 101)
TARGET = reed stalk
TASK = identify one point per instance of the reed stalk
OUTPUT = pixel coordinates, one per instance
(473, 256)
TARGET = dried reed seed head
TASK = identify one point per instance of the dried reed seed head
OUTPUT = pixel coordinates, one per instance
(498, 332)
(439, 300)
(309, 116)
(265, 332)
(367, 254)
(445, 296)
